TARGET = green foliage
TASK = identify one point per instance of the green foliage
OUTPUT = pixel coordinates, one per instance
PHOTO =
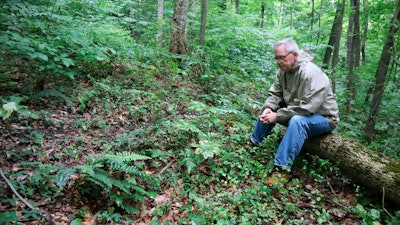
(7, 217)
(33, 178)
(51, 39)
(63, 176)
(12, 104)
(370, 217)
(52, 93)
(394, 219)
(112, 172)
(188, 116)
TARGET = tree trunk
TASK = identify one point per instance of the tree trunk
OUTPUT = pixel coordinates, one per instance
(203, 21)
(365, 32)
(178, 27)
(160, 16)
(350, 62)
(192, 12)
(381, 76)
(312, 15)
(262, 15)
(291, 15)
(353, 51)
(336, 33)
(336, 46)
(281, 13)
(319, 21)
(356, 37)
(237, 6)
(365, 167)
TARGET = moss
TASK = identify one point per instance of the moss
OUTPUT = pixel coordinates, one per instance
(375, 157)
(397, 180)
(358, 148)
(393, 166)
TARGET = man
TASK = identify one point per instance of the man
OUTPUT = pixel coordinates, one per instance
(301, 99)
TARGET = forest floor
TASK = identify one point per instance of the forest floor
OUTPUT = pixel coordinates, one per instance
(33, 150)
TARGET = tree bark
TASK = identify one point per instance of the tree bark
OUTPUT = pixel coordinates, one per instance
(334, 43)
(291, 15)
(160, 16)
(357, 35)
(353, 52)
(336, 33)
(336, 46)
(365, 32)
(178, 27)
(381, 76)
(262, 15)
(203, 21)
(312, 15)
(367, 168)
(237, 6)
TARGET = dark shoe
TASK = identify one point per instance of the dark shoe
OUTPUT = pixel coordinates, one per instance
(278, 177)
(251, 143)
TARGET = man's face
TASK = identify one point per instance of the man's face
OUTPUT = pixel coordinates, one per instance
(285, 59)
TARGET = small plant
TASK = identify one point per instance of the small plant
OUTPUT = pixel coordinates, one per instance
(370, 217)
(12, 104)
(110, 215)
(117, 174)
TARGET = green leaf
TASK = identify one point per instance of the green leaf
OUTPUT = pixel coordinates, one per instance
(10, 106)
(375, 214)
(361, 211)
(63, 176)
(42, 56)
(8, 216)
(77, 221)
(68, 62)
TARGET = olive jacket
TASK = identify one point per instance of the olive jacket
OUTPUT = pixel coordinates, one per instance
(303, 91)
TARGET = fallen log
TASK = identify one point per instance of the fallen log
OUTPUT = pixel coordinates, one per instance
(365, 167)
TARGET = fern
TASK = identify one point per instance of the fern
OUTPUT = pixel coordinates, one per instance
(191, 160)
(124, 156)
(63, 176)
(131, 169)
(103, 179)
(100, 170)
(120, 200)
(53, 93)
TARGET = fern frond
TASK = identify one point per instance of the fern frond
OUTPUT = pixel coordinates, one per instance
(63, 176)
(119, 200)
(99, 183)
(101, 169)
(54, 93)
(131, 169)
(142, 191)
(123, 186)
(86, 169)
(191, 160)
(121, 166)
(124, 156)
(104, 177)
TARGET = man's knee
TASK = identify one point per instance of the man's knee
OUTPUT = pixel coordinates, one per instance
(297, 119)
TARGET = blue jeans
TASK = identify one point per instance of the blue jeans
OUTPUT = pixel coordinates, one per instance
(299, 128)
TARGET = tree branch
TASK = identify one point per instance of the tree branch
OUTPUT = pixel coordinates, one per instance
(42, 215)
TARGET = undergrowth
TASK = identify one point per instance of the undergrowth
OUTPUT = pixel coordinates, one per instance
(98, 127)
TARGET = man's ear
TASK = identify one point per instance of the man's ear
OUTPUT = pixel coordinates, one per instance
(295, 54)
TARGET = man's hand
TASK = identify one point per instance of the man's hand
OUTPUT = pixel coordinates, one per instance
(268, 116)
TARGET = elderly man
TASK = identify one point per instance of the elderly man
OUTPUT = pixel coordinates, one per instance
(301, 99)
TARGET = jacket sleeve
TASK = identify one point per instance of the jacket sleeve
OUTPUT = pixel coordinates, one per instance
(314, 89)
(275, 95)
